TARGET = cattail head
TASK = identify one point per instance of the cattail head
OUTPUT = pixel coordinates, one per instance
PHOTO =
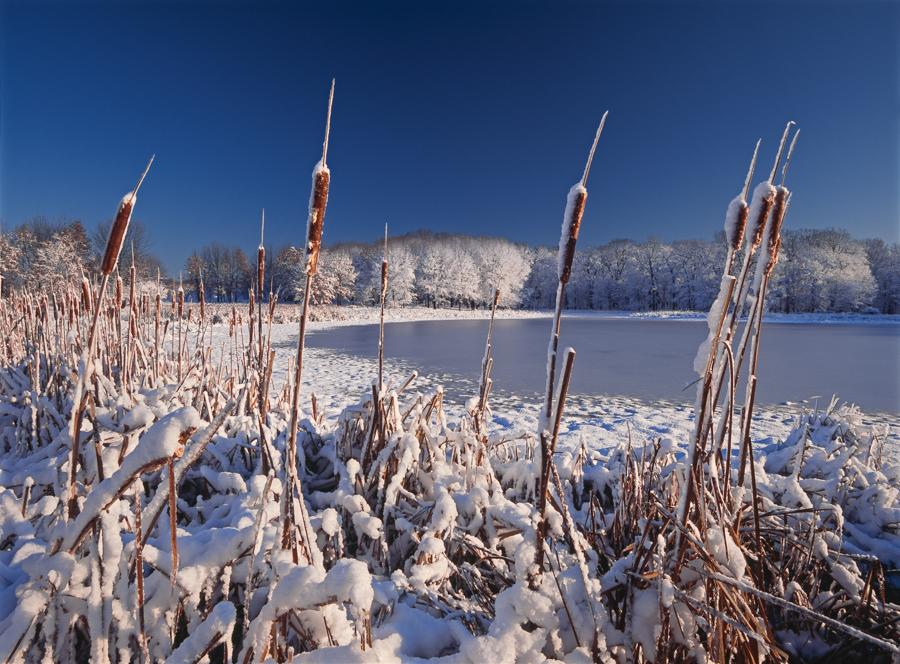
(85, 294)
(119, 228)
(736, 222)
(118, 291)
(179, 297)
(261, 257)
(760, 206)
(574, 212)
(570, 227)
(202, 298)
(117, 233)
(317, 201)
(773, 233)
(261, 268)
(384, 265)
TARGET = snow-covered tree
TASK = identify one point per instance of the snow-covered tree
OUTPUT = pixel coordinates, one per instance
(884, 261)
(540, 287)
(335, 281)
(500, 264)
(401, 275)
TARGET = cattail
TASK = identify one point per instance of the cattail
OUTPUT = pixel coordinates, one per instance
(120, 226)
(119, 288)
(85, 294)
(384, 268)
(773, 243)
(575, 202)
(571, 225)
(318, 199)
(132, 275)
(782, 202)
(202, 297)
(738, 210)
(261, 258)
(180, 298)
(764, 198)
(260, 285)
(383, 297)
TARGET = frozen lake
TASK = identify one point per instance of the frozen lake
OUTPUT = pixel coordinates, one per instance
(647, 359)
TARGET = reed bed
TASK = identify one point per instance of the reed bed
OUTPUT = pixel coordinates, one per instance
(161, 505)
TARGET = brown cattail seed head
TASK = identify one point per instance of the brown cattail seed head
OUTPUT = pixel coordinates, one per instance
(774, 235)
(736, 222)
(760, 206)
(743, 214)
(317, 201)
(117, 234)
(571, 225)
(85, 294)
(260, 270)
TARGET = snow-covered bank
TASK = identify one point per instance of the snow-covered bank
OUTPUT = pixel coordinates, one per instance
(324, 317)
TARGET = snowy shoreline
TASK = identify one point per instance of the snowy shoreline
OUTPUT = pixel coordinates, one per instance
(330, 316)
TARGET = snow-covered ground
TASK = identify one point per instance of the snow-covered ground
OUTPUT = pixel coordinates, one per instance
(338, 379)
(426, 548)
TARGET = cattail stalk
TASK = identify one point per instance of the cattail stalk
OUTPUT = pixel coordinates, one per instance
(110, 258)
(486, 364)
(771, 233)
(139, 571)
(571, 225)
(546, 463)
(383, 297)
(260, 285)
(315, 223)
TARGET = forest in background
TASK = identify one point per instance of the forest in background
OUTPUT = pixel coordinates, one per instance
(820, 270)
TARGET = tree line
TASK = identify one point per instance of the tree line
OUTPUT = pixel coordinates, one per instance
(819, 270)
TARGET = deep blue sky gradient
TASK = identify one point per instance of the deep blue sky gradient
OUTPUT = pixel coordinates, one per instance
(470, 118)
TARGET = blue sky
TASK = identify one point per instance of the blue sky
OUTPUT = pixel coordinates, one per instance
(470, 118)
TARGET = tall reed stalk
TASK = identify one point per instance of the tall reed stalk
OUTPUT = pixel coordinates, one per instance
(382, 298)
(575, 202)
(110, 259)
(318, 200)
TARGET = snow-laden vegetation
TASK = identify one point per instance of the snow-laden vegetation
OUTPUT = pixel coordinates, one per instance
(164, 500)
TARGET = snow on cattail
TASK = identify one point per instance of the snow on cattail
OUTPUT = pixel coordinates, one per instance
(318, 199)
(119, 228)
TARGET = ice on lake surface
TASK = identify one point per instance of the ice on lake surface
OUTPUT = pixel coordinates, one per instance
(647, 359)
